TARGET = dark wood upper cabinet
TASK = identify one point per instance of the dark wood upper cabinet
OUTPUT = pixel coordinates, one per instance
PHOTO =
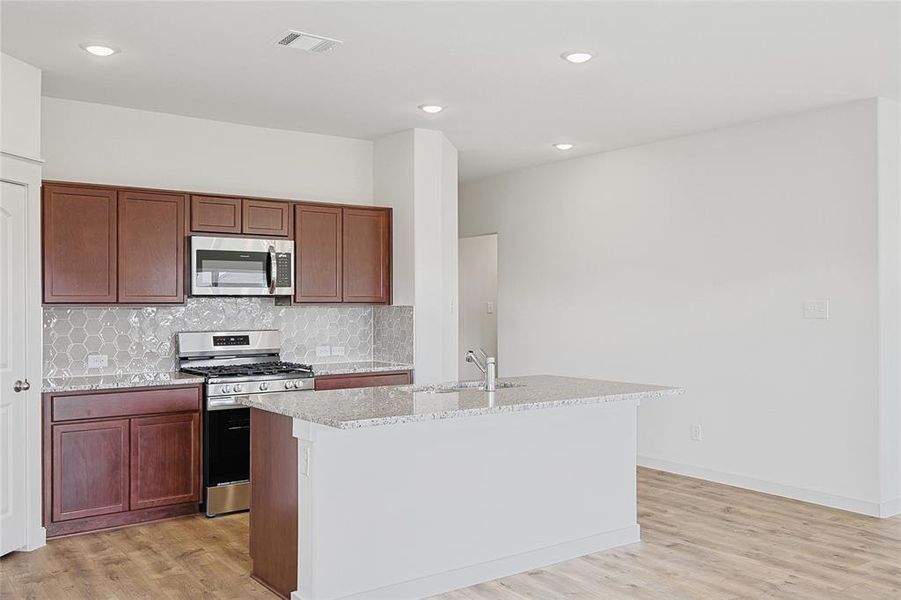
(318, 253)
(215, 214)
(107, 245)
(165, 460)
(90, 469)
(266, 217)
(151, 247)
(79, 244)
(367, 255)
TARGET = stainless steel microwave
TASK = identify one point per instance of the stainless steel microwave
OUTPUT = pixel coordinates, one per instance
(231, 266)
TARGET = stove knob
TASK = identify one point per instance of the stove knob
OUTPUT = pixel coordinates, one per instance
(264, 386)
(238, 388)
(289, 385)
(226, 389)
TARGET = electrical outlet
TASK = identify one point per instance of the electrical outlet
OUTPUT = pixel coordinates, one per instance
(323, 351)
(696, 432)
(97, 361)
(304, 460)
(337, 350)
(815, 309)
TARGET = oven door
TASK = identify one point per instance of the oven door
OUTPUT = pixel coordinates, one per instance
(227, 447)
(241, 267)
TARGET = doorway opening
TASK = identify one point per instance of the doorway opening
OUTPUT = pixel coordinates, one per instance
(478, 299)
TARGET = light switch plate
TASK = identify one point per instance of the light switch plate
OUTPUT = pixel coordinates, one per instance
(97, 361)
(815, 309)
(490, 308)
(323, 351)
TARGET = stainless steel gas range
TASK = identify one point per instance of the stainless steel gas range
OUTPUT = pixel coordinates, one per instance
(234, 363)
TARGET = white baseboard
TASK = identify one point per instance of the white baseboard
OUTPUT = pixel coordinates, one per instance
(864, 507)
(890, 508)
(503, 567)
(37, 538)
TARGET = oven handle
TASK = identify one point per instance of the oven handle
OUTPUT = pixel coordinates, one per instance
(227, 403)
(273, 269)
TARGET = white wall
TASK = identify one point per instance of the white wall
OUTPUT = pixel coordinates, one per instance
(416, 174)
(686, 262)
(478, 288)
(106, 144)
(20, 124)
(889, 182)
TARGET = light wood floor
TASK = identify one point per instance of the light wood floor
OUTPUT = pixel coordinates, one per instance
(700, 540)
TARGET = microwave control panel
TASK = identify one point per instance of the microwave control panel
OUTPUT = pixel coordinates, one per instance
(283, 264)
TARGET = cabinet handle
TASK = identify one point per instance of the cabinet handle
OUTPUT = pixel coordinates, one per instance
(21, 386)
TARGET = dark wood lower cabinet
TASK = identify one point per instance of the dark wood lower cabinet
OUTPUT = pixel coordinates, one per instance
(90, 469)
(165, 460)
(140, 461)
(360, 380)
(273, 501)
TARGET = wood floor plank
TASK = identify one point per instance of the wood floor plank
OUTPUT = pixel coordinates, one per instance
(700, 540)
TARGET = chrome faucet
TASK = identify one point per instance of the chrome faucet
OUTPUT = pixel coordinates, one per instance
(487, 365)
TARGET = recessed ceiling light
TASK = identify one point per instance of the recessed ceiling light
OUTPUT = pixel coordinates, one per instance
(564, 146)
(577, 57)
(99, 49)
(431, 108)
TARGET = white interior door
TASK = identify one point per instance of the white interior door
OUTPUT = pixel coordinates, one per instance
(13, 283)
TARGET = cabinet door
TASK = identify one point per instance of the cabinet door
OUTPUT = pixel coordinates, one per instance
(165, 460)
(265, 217)
(79, 244)
(214, 214)
(317, 234)
(90, 469)
(151, 247)
(367, 255)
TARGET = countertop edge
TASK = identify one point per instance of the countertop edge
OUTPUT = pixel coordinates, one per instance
(474, 412)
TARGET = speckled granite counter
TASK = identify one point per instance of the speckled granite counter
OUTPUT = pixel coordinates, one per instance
(366, 407)
(108, 382)
(360, 366)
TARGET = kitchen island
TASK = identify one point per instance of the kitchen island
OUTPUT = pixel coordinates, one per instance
(408, 491)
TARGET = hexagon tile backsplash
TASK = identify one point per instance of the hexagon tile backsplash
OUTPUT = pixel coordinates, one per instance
(142, 340)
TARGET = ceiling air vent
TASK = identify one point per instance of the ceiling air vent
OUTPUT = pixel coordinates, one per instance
(307, 41)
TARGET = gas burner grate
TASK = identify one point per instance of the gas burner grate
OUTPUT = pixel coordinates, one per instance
(252, 369)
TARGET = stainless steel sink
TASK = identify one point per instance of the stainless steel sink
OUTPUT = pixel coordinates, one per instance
(462, 387)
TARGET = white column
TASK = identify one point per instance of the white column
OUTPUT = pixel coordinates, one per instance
(415, 172)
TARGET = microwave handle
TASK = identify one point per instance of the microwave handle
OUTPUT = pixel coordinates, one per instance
(273, 269)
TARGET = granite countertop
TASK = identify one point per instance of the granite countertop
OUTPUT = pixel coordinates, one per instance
(359, 366)
(109, 382)
(367, 407)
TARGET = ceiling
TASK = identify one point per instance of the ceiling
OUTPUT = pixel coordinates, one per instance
(661, 69)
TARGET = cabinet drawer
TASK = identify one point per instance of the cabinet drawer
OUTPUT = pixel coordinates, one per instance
(342, 382)
(119, 404)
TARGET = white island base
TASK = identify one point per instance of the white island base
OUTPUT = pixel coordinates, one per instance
(413, 509)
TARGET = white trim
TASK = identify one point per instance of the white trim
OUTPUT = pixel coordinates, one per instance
(864, 507)
(495, 569)
(890, 508)
(31, 159)
(26, 171)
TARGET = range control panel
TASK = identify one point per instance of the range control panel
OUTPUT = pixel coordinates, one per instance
(231, 340)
